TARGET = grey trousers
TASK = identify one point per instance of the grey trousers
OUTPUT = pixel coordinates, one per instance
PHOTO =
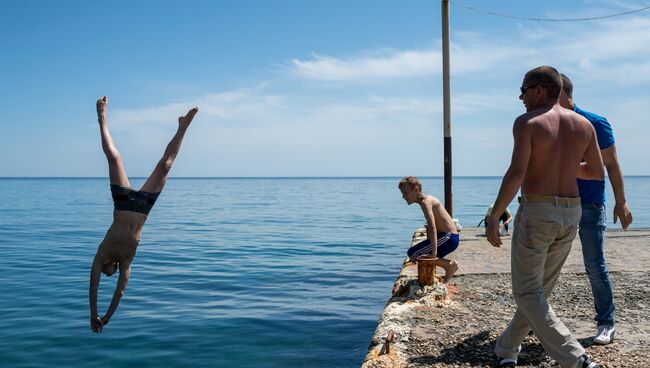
(541, 241)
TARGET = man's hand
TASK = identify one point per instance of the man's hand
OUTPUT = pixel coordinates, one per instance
(492, 232)
(622, 211)
(96, 325)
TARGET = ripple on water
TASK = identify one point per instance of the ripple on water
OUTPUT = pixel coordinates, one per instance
(230, 272)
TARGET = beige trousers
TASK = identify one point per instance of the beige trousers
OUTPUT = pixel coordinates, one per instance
(541, 241)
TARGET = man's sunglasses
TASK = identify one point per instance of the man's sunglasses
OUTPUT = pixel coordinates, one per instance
(524, 89)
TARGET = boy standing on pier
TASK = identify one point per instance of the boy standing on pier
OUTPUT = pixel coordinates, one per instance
(440, 226)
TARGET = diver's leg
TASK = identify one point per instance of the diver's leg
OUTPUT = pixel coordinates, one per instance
(158, 177)
(116, 172)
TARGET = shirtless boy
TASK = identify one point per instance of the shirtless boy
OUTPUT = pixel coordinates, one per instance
(118, 248)
(440, 226)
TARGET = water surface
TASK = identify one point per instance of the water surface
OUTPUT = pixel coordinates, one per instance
(230, 272)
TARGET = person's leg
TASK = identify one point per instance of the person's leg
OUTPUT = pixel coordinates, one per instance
(116, 172)
(560, 344)
(421, 248)
(592, 237)
(519, 327)
(450, 267)
(532, 284)
(508, 344)
(447, 243)
(158, 177)
(540, 245)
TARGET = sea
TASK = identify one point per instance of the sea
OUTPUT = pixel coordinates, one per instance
(230, 272)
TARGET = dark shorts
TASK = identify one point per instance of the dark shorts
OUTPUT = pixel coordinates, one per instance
(503, 218)
(127, 199)
(447, 243)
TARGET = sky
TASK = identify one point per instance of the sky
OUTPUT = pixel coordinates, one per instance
(304, 88)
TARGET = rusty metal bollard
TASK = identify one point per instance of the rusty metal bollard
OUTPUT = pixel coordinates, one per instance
(427, 270)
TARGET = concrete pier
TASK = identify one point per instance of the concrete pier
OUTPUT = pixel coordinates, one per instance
(455, 326)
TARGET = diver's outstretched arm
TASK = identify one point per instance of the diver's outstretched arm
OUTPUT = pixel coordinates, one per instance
(125, 273)
(95, 274)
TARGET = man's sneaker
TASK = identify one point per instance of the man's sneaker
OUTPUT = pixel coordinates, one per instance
(507, 362)
(605, 335)
(588, 363)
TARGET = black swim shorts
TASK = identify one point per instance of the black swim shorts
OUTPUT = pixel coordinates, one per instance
(127, 199)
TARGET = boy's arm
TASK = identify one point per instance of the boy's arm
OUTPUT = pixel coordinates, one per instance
(432, 233)
(95, 274)
(125, 273)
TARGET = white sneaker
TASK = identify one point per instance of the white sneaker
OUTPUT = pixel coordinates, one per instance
(588, 363)
(605, 335)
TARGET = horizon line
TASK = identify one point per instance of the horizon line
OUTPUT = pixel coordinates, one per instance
(271, 177)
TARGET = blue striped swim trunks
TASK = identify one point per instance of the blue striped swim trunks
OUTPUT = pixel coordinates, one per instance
(447, 243)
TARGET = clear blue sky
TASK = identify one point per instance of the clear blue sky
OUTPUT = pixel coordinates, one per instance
(303, 88)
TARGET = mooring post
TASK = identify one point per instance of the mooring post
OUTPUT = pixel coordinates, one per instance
(427, 270)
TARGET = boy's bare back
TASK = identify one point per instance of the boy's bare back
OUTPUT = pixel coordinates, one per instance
(442, 220)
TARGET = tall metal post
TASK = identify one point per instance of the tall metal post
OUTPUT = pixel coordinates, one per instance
(446, 93)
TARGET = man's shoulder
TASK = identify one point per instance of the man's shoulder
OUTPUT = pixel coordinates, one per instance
(525, 117)
(590, 116)
(523, 122)
(578, 118)
(604, 131)
(542, 114)
(548, 117)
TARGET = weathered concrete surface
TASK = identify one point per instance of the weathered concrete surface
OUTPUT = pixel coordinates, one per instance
(476, 255)
(398, 314)
(414, 341)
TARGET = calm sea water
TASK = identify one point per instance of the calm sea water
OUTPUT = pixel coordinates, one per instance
(229, 273)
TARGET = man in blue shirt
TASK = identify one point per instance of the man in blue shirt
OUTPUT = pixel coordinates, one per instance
(593, 221)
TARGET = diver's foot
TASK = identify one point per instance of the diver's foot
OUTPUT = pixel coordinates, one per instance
(450, 271)
(184, 121)
(102, 109)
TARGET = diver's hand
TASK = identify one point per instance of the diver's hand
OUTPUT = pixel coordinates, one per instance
(96, 325)
(105, 320)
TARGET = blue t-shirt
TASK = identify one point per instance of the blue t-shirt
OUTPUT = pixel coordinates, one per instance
(593, 191)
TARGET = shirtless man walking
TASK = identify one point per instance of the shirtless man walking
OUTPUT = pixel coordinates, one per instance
(549, 144)
(118, 248)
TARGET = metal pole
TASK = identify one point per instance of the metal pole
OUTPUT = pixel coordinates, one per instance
(446, 93)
